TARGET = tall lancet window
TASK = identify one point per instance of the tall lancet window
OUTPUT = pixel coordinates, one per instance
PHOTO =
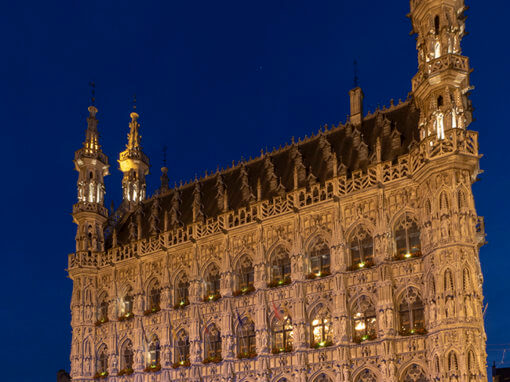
(102, 362)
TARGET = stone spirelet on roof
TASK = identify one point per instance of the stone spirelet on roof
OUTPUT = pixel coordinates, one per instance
(380, 136)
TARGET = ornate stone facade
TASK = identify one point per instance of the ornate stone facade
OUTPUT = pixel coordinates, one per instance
(351, 255)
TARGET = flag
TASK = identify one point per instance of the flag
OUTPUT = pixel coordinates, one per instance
(239, 319)
(277, 313)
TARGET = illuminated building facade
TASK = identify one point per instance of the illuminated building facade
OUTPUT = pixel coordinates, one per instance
(351, 255)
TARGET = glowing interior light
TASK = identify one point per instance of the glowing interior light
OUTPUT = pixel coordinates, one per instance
(322, 343)
(407, 255)
(361, 265)
(315, 322)
(360, 326)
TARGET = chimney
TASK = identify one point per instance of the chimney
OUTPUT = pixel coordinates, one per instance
(356, 96)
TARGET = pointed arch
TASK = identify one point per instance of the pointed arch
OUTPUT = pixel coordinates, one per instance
(246, 339)
(280, 265)
(444, 201)
(361, 247)
(244, 275)
(126, 302)
(126, 355)
(181, 289)
(414, 373)
(411, 312)
(366, 374)
(102, 360)
(467, 281)
(282, 334)
(154, 352)
(212, 343)
(407, 236)
(153, 293)
(102, 307)
(322, 376)
(363, 319)
(462, 201)
(182, 347)
(212, 281)
(453, 363)
(448, 283)
(319, 256)
(321, 326)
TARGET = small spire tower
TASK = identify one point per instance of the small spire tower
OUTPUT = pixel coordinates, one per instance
(134, 164)
(89, 212)
(442, 84)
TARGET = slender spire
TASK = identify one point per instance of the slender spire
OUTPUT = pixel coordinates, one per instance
(134, 163)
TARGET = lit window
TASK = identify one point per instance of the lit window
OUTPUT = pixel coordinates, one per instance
(212, 343)
(320, 259)
(280, 266)
(246, 338)
(364, 321)
(361, 248)
(182, 349)
(154, 352)
(411, 313)
(407, 238)
(321, 330)
(283, 333)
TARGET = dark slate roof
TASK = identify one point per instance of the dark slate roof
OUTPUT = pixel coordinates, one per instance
(355, 147)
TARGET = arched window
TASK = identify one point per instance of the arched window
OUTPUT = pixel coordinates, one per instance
(366, 376)
(411, 313)
(448, 281)
(466, 281)
(154, 352)
(471, 365)
(436, 25)
(320, 259)
(244, 276)
(212, 283)
(246, 339)
(321, 330)
(182, 348)
(415, 373)
(102, 311)
(461, 199)
(322, 378)
(428, 209)
(407, 238)
(362, 248)
(364, 321)
(154, 296)
(283, 334)
(440, 101)
(182, 291)
(453, 365)
(437, 367)
(212, 343)
(102, 361)
(127, 356)
(444, 205)
(127, 304)
(280, 267)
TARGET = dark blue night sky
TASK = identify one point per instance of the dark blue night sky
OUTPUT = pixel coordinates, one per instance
(215, 81)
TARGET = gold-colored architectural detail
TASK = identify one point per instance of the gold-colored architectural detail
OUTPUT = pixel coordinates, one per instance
(351, 255)
(134, 164)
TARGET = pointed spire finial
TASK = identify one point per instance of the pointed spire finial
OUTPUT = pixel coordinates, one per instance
(92, 93)
(356, 79)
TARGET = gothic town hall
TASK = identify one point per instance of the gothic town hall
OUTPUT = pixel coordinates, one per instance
(350, 255)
